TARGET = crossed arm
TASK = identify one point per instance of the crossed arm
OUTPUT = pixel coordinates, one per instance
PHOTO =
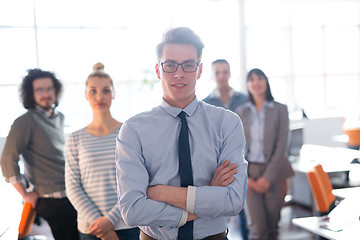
(135, 168)
(176, 196)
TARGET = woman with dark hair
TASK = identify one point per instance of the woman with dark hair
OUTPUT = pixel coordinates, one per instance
(90, 166)
(266, 126)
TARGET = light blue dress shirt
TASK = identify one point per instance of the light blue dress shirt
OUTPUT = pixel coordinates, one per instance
(255, 152)
(147, 155)
(237, 99)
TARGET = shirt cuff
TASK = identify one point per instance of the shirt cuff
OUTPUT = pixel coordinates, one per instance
(190, 199)
(113, 218)
(183, 219)
(16, 179)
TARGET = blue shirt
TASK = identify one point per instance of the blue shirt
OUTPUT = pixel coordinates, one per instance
(236, 100)
(147, 155)
(256, 141)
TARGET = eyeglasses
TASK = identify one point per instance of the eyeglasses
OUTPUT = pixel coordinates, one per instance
(41, 91)
(171, 67)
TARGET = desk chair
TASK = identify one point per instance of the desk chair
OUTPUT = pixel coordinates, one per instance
(321, 189)
(354, 137)
(27, 220)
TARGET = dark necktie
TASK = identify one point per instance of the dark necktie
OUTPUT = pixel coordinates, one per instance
(185, 170)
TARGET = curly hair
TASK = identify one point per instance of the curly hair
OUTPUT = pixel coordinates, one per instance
(27, 91)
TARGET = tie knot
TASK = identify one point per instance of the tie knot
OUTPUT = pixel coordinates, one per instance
(182, 116)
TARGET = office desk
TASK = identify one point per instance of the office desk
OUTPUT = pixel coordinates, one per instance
(343, 193)
(334, 161)
(343, 221)
(312, 224)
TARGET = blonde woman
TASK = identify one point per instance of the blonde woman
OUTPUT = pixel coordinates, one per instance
(90, 166)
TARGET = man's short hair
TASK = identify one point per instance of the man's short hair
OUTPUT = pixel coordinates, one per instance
(27, 91)
(180, 35)
(220, 61)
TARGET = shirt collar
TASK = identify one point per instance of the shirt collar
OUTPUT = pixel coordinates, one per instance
(174, 111)
(266, 104)
(269, 104)
(216, 93)
(44, 113)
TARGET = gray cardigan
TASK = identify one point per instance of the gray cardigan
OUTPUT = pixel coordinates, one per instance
(40, 140)
(276, 133)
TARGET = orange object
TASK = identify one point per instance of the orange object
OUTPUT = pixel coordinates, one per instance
(27, 220)
(321, 188)
(354, 136)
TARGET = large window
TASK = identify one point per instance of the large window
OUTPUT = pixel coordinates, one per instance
(309, 50)
(68, 37)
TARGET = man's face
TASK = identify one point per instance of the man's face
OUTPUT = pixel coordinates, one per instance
(178, 87)
(221, 72)
(44, 93)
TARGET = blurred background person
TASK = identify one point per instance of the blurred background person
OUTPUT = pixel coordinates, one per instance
(226, 97)
(266, 126)
(38, 135)
(90, 166)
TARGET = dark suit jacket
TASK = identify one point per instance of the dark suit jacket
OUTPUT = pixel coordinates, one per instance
(276, 132)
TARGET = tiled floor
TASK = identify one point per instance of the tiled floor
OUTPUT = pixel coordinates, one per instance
(287, 231)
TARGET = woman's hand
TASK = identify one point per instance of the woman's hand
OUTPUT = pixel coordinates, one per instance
(100, 227)
(111, 235)
(262, 185)
(251, 185)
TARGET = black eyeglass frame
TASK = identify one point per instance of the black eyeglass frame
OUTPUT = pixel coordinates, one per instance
(181, 64)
